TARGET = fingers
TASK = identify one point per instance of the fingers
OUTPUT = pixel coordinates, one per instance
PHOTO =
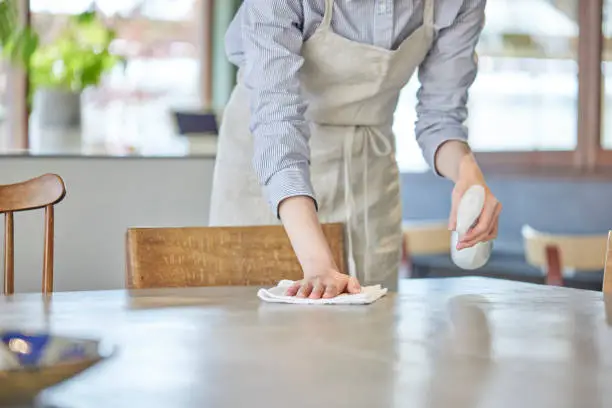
(312, 290)
(293, 289)
(305, 289)
(353, 286)
(486, 229)
(493, 233)
(484, 222)
(331, 291)
(317, 290)
(324, 287)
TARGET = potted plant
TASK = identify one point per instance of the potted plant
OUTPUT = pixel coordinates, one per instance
(58, 70)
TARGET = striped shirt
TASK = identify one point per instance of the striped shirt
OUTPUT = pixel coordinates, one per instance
(266, 36)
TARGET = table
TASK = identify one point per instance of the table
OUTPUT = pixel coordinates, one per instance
(453, 342)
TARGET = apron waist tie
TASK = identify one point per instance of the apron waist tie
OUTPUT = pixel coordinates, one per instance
(380, 145)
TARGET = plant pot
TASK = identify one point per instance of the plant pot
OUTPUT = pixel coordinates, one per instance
(54, 108)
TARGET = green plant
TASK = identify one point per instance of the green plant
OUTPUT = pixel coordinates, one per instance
(17, 43)
(76, 59)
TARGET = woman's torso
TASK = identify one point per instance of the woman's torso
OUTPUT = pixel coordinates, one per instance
(383, 23)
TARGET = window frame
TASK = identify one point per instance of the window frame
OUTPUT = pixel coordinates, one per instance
(206, 51)
(17, 90)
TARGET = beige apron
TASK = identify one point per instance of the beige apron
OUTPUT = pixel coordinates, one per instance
(352, 90)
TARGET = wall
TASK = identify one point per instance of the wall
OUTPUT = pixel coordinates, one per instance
(105, 197)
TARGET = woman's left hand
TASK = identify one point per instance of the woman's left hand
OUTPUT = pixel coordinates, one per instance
(487, 225)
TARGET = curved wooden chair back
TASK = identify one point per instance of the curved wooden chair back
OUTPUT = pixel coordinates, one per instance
(40, 192)
(427, 238)
(555, 252)
(217, 256)
(423, 238)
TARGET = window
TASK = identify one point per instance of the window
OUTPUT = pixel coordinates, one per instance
(525, 96)
(539, 102)
(132, 108)
(537, 78)
(4, 132)
(408, 153)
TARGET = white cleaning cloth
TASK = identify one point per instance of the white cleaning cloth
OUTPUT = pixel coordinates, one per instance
(369, 294)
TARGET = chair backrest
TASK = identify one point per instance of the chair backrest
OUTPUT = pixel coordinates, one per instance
(426, 238)
(579, 252)
(40, 192)
(607, 281)
(217, 256)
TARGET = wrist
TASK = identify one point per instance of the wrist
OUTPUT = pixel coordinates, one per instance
(451, 157)
(468, 170)
(303, 228)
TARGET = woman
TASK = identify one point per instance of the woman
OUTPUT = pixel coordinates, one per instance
(310, 121)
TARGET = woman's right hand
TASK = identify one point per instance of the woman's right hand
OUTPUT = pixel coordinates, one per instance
(326, 285)
(321, 275)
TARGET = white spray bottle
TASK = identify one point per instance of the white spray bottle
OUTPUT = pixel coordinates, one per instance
(469, 210)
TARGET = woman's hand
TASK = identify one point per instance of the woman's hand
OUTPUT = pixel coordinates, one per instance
(321, 275)
(455, 161)
(326, 285)
(487, 224)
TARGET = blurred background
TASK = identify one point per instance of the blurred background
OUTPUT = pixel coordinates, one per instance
(135, 138)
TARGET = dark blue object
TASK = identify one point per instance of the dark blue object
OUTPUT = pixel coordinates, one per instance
(36, 346)
(196, 122)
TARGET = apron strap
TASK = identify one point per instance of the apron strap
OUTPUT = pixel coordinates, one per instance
(375, 140)
(428, 13)
(329, 11)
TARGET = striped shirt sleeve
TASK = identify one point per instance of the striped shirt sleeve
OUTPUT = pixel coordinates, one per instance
(272, 41)
(446, 75)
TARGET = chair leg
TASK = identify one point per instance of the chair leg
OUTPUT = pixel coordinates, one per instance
(607, 279)
(554, 275)
(9, 254)
(47, 281)
(406, 268)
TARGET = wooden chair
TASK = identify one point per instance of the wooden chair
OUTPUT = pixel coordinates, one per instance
(217, 256)
(555, 253)
(425, 238)
(41, 192)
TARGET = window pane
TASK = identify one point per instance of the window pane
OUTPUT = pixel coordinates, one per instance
(606, 135)
(132, 108)
(526, 92)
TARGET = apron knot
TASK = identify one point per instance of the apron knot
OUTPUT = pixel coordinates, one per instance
(380, 144)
